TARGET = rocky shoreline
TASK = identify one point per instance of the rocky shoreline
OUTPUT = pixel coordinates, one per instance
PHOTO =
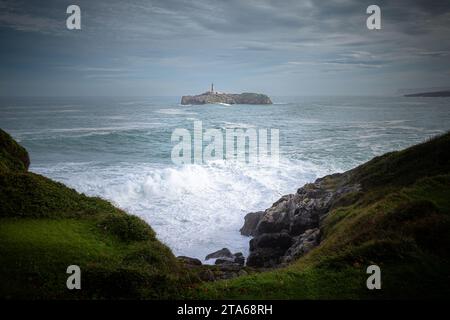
(287, 230)
(291, 227)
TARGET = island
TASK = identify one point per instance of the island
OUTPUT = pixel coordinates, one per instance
(211, 97)
(430, 94)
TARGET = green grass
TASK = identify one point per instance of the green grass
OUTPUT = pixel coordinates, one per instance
(13, 157)
(37, 252)
(45, 227)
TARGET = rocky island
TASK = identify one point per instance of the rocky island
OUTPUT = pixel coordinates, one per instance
(211, 97)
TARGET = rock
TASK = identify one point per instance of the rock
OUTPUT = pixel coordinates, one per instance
(271, 240)
(222, 253)
(265, 257)
(230, 267)
(207, 275)
(189, 261)
(236, 259)
(228, 98)
(239, 258)
(302, 245)
(229, 271)
(224, 261)
(267, 249)
(277, 217)
(251, 221)
(291, 226)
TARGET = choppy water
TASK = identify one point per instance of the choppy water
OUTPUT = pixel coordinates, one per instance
(119, 149)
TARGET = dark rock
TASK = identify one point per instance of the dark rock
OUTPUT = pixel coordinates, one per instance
(265, 257)
(222, 253)
(239, 258)
(229, 271)
(230, 267)
(189, 261)
(267, 249)
(277, 217)
(224, 261)
(236, 259)
(271, 240)
(302, 222)
(302, 245)
(251, 221)
(207, 275)
(290, 227)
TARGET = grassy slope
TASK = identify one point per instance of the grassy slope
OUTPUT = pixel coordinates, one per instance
(399, 221)
(45, 227)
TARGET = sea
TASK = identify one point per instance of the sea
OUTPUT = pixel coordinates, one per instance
(119, 148)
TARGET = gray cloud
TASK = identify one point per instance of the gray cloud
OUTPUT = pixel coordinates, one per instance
(186, 41)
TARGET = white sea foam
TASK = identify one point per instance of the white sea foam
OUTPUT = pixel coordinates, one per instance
(175, 112)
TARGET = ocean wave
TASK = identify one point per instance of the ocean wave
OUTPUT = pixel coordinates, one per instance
(172, 111)
(236, 125)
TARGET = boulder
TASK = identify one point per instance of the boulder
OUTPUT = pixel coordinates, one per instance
(265, 257)
(225, 261)
(222, 253)
(277, 217)
(302, 245)
(236, 259)
(267, 249)
(207, 275)
(189, 261)
(239, 258)
(251, 222)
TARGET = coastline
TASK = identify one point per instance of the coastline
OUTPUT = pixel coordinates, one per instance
(333, 227)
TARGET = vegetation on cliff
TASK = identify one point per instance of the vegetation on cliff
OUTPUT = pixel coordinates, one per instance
(399, 219)
(45, 227)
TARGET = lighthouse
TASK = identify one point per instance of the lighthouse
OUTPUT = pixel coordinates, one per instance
(212, 87)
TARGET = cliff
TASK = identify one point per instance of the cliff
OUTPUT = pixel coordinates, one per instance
(46, 226)
(228, 98)
(393, 211)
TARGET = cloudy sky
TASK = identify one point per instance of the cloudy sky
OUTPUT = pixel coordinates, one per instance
(175, 47)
